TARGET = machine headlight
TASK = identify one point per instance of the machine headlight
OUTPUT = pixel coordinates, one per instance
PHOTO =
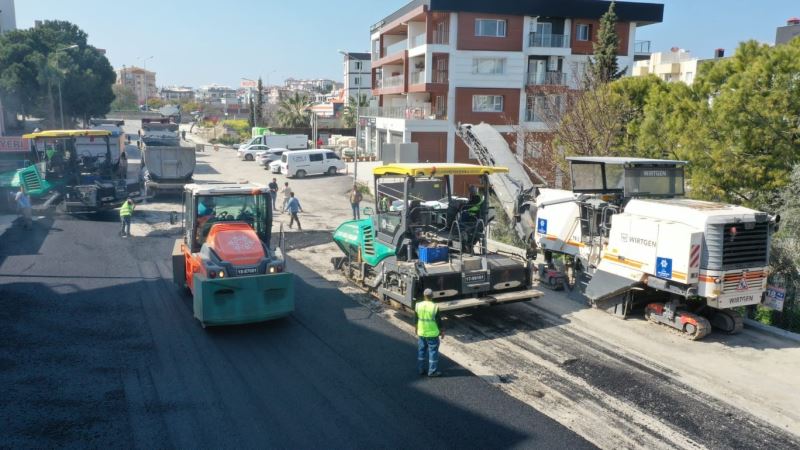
(222, 274)
(272, 269)
(212, 274)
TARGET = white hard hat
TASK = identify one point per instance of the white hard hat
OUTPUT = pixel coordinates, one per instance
(428, 293)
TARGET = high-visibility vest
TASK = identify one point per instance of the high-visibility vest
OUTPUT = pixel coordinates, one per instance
(426, 319)
(476, 208)
(126, 209)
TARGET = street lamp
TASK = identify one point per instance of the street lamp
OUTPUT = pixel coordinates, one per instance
(60, 101)
(358, 115)
(146, 96)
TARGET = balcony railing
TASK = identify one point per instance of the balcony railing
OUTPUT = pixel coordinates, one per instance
(417, 78)
(418, 40)
(390, 82)
(641, 47)
(397, 47)
(549, 40)
(547, 79)
(403, 112)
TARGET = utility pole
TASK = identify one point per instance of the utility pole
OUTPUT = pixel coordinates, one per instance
(358, 114)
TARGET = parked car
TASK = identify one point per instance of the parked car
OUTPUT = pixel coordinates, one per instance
(275, 166)
(273, 154)
(251, 152)
(311, 162)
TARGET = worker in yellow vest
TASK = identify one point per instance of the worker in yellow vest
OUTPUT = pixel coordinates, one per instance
(429, 331)
(125, 213)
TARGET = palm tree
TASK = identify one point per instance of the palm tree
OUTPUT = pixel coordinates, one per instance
(293, 112)
(349, 113)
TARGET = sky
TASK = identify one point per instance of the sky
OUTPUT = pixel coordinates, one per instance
(198, 42)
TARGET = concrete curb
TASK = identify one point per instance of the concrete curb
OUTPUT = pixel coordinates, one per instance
(772, 330)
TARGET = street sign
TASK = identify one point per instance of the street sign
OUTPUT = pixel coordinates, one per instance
(248, 84)
(774, 298)
(14, 144)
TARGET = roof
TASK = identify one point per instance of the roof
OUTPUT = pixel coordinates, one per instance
(621, 160)
(641, 13)
(225, 188)
(358, 56)
(431, 169)
(56, 134)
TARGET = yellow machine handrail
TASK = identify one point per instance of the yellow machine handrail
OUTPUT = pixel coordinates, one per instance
(60, 134)
(432, 169)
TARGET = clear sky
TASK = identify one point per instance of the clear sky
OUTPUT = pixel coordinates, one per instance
(196, 42)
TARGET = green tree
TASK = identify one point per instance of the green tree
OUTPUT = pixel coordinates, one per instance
(124, 99)
(293, 112)
(251, 119)
(259, 111)
(34, 61)
(350, 111)
(603, 65)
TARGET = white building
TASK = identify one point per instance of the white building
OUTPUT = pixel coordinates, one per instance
(216, 94)
(357, 76)
(142, 82)
(438, 63)
(8, 22)
(8, 17)
(177, 94)
(675, 65)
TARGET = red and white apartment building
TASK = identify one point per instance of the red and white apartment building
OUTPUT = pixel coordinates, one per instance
(438, 63)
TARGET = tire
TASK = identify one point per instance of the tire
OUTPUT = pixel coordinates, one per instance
(332, 171)
(300, 174)
(248, 157)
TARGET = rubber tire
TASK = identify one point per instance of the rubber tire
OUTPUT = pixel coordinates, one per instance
(249, 158)
(300, 174)
(332, 171)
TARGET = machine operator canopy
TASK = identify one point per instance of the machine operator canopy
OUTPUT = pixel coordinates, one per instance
(61, 134)
(432, 169)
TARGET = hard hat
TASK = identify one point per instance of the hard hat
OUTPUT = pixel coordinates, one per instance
(428, 293)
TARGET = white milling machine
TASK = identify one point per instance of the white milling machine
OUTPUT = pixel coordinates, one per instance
(625, 224)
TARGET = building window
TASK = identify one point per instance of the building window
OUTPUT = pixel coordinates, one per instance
(489, 66)
(541, 108)
(490, 27)
(584, 32)
(357, 81)
(487, 103)
(358, 65)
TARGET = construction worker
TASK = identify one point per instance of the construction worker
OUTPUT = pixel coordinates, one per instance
(475, 202)
(293, 206)
(24, 206)
(355, 203)
(273, 192)
(429, 330)
(125, 213)
(385, 203)
(287, 194)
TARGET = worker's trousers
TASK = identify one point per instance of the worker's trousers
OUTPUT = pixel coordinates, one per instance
(126, 225)
(356, 211)
(427, 355)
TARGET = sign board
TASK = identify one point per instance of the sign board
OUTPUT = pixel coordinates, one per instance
(541, 227)
(664, 268)
(247, 84)
(774, 297)
(14, 144)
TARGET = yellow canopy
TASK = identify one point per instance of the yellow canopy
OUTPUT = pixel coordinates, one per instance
(56, 134)
(434, 169)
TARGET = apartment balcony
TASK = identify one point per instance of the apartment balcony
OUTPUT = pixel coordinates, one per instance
(548, 40)
(390, 82)
(418, 40)
(547, 79)
(404, 112)
(641, 50)
(397, 47)
(417, 77)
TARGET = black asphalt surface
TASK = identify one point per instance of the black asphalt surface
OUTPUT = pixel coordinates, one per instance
(99, 349)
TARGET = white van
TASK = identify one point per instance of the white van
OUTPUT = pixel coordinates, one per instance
(290, 141)
(310, 162)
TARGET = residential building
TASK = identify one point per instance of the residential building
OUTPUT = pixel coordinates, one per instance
(357, 76)
(789, 32)
(8, 22)
(675, 65)
(142, 82)
(317, 85)
(215, 94)
(177, 94)
(439, 63)
(276, 94)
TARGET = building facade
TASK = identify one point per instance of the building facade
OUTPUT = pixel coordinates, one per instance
(675, 65)
(8, 22)
(142, 82)
(319, 85)
(787, 33)
(177, 94)
(357, 76)
(215, 94)
(439, 63)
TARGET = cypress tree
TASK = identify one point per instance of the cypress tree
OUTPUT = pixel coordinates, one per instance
(604, 67)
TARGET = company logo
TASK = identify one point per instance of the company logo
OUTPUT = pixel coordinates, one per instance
(628, 239)
(743, 284)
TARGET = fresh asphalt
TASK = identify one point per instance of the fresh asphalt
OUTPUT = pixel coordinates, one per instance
(98, 348)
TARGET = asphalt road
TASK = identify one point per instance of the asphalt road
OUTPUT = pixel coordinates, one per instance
(98, 348)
